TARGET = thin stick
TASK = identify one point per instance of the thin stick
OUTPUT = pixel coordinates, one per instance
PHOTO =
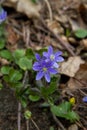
(49, 8)
(19, 104)
(19, 116)
(27, 124)
(58, 122)
(35, 124)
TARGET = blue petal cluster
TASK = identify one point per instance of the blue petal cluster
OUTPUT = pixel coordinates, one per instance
(47, 64)
(54, 57)
(3, 15)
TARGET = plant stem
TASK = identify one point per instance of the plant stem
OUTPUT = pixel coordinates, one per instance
(19, 116)
(27, 124)
(35, 124)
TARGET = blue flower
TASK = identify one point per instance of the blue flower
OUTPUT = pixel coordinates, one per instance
(54, 57)
(44, 69)
(3, 15)
(85, 99)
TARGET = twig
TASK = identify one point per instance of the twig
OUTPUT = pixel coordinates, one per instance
(84, 84)
(26, 35)
(58, 38)
(82, 92)
(49, 8)
(27, 124)
(35, 124)
(19, 104)
(19, 116)
(58, 122)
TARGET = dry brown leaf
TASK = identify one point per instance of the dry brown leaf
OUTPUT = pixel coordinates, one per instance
(73, 84)
(80, 79)
(71, 66)
(12, 39)
(74, 25)
(55, 27)
(84, 43)
(82, 73)
(25, 6)
(4, 61)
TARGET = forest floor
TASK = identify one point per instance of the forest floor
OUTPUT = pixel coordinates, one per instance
(65, 18)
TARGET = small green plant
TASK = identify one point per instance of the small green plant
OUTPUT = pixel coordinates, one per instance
(46, 85)
(81, 33)
(64, 110)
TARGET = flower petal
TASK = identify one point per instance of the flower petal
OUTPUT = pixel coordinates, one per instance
(55, 65)
(50, 50)
(59, 59)
(47, 77)
(3, 15)
(53, 71)
(45, 54)
(37, 56)
(39, 75)
(36, 66)
(58, 53)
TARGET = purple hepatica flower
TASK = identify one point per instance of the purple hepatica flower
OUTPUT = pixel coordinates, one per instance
(54, 57)
(43, 68)
(3, 15)
(85, 99)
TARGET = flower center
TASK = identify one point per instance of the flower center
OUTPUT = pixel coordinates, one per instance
(52, 57)
(44, 69)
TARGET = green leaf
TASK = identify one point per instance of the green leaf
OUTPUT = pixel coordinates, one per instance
(29, 53)
(61, 110)
(58, 111)
(2, 43)
(46, 91)
(23, 102)
(64, 111)
(25, 63)
(1, 86)
(34, 98)
(68, 32)
(5, 69)
(72, 116)
(17, 85)
(18, 54)
(81, 33)
(51, 128)
(34, 1)
(15, 75)
(45, 104)
(6, 78)
(6, 54)
(42, 50)
(2, 30)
